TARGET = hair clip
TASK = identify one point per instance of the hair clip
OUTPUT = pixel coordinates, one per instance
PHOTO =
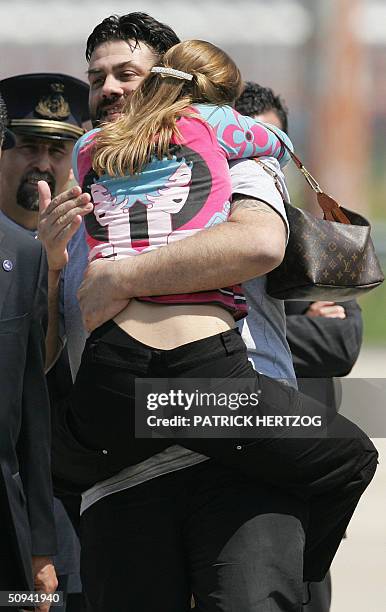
(164, 71)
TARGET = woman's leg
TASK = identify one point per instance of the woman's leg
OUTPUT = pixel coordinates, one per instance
(330, 472)
(244, 542)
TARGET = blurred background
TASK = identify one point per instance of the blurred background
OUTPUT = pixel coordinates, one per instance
(327, 58)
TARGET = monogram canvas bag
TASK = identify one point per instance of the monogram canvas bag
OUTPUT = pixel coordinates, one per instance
(326, 259)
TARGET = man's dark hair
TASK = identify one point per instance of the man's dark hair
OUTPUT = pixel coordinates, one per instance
(3, 118)
(139, 27)
(256, 100)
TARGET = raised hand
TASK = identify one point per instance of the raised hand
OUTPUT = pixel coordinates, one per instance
(59, 219)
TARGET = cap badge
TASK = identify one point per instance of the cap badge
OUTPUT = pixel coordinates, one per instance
(54, 106)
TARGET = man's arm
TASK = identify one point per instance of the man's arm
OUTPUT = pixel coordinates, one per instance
(251, 243)
(53, 343)
(59, 220)
(322, 345)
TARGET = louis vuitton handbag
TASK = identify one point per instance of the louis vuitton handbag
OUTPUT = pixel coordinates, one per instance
(326, 259)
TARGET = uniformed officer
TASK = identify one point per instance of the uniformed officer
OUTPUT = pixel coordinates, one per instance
(27, 531)
(46, 112)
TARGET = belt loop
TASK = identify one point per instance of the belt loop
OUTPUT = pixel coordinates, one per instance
(230, 341)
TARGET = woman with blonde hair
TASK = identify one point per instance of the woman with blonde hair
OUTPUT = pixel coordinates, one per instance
(160, 174)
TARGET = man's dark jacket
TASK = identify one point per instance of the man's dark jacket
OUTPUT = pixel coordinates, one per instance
(25, 482)
(323, 348)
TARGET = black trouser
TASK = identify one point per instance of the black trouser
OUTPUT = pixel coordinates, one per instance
(206, 530)
(331, 474)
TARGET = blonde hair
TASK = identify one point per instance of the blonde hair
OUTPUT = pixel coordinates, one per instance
(150, 116)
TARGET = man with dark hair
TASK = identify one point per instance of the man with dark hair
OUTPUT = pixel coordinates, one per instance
(233, 251)
(129, 45)
(257, 100)
(324, 337)
(26, 503)
(138, 27)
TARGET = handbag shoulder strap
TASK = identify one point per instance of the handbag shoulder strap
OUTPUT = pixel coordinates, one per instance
(273, 175)
(331, 209)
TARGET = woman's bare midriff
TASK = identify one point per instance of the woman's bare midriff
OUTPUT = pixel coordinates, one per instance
(165, 326)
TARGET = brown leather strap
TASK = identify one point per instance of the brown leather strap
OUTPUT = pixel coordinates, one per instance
(331, 209)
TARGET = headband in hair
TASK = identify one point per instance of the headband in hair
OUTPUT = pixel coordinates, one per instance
(177, 74)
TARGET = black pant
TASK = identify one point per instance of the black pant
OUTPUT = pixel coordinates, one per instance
(206, 530)
(330, 474)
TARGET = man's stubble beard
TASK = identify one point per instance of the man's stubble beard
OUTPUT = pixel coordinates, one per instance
(99, 115)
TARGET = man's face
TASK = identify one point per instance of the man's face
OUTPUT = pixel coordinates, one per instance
(270, 117)
(29, 161)
(116, 69)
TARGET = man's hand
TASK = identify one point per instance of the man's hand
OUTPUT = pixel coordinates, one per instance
(45, 580)
(101, 295)
(326, 309)
(59, 219)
